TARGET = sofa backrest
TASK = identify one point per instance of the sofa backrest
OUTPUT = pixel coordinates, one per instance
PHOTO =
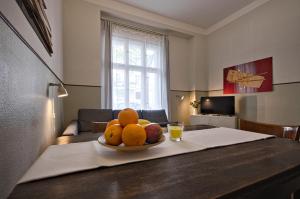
(157, 116)
(116, 113)
(87, 116)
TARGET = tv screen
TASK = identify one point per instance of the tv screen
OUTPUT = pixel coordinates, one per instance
(218, 105)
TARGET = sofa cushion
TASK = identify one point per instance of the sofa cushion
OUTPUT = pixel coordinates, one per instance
(72, 129)
(116, 112)
(156, 116)
(87, 116)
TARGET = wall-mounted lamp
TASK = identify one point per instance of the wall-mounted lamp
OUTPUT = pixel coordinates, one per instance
(61, 91)
(180, 97)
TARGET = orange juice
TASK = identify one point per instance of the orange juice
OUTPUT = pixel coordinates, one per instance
(175, 131)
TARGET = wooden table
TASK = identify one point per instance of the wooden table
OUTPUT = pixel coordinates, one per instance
(260, 169)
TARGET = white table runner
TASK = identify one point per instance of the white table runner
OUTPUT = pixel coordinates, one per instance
(63, 159)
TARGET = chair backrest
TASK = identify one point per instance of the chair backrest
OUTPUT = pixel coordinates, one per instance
(290, 132)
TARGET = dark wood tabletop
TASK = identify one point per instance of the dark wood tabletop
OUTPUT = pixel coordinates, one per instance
(261, 169)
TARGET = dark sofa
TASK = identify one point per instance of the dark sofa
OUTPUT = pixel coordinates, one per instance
(88, 117)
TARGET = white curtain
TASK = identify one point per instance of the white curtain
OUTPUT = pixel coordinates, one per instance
(136, 68)
(106, 74)
(166, 79)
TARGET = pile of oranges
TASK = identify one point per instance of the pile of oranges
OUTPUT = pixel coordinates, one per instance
(126, 129)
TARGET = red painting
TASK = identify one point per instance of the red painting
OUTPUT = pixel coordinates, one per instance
(250, 77)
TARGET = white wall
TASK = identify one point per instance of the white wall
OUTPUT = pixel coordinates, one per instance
(82, 49)
(27, 124)
(188, 69)
(180, 65)
(81, 43)
(270, 30)
(199, 63)
(82, 65)
(13, 13)
(123, 10)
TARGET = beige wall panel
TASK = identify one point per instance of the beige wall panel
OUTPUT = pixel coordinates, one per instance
(181, 110)
(278, 107)
(80, 97)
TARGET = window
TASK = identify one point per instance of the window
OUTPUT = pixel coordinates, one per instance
(137, 69)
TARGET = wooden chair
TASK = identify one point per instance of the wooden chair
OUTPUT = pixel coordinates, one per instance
(290, 132)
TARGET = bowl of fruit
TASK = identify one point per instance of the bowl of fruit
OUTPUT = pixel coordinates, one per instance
(129, 133)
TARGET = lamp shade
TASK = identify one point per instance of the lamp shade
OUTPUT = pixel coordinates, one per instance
(61, 91)
(180, 97)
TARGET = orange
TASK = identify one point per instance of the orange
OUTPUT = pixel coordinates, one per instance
(115, 121)
(128, 116)
(134, 135)
(113, 135)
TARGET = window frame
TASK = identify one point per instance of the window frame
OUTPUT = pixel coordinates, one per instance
(143, 69)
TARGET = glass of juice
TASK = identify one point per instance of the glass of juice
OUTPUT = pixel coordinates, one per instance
(175, 131)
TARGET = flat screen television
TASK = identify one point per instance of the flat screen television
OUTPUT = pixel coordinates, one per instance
(223, 105)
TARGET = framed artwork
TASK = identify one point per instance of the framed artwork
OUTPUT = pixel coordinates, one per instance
(34, 11)
(256, 76)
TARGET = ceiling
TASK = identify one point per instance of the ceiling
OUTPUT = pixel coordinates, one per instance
(202, 13)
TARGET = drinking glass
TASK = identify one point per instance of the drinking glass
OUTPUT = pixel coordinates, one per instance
(175, 131)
